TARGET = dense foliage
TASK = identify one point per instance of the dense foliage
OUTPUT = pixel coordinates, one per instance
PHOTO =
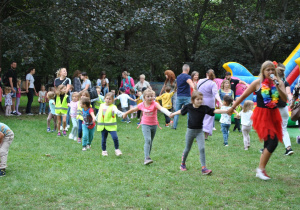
(145, 36)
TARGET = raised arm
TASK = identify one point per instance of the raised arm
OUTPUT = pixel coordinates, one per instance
(130, 111)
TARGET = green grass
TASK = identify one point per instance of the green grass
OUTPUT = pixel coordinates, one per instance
(47, 172)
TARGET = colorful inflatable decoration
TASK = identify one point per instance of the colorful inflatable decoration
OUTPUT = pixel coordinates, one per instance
(292, 67)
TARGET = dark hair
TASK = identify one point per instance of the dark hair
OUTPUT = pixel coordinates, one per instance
(228, 99)
(76, 73)
(86, 101)
(84, 73)
(132, 91)
(227, 73)
(29, 70)
(211, 74)
(143, 89)
(102, 73)
(168, 89)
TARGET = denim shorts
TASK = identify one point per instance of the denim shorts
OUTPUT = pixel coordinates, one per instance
(14, 94)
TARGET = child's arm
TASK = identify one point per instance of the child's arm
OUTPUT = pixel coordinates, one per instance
(163, 110)
(130, 111)
(220, 111)
(1, 137)
(118, 112)
(175, 113)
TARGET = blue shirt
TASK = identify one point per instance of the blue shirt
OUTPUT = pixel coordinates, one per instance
(183, 88)
(5, 129)
(52, 106)
(133, 103)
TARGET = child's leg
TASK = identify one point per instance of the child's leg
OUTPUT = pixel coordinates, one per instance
(50, 116)
(114, 136)
(17, 104)
(201, 146)
(55, 122)
(44, 108)
(246, 130)
(147, 136)
(138, 114)
(235, 124)
(85, 135)
(104, 134)
(7, 140)
(91, 135)
(131, 107)
(40, 109)
(167, 119)
(224, 129)
(7, 112)
(80, 129)
(75, 127)
(189, 138)
(58, 122)
(153, 132)
(238, 124)
(64, 122)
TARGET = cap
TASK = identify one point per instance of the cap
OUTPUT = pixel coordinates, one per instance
(122, 89)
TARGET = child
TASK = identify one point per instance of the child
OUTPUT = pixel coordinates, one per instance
(104, 87)
(246, 120)
(123, 97)
(79, 115)
(140, 100)
(166, 99)
(6, 138)
(225, 118)
(114, 92)
(8, 100)
(42, 100)
(73, 114)
(18, 96)
(132, 104)
(61, 107)
(149, 120)
(99, 101)
(197, 112)
(51, 96)
(88, 123)
(237, 117)
(107, 123)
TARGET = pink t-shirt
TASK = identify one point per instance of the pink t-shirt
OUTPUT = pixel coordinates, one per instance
(149, 113)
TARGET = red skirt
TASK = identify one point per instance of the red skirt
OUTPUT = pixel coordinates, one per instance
(267, 122)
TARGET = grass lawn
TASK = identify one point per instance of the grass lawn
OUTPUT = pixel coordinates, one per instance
(49, 172)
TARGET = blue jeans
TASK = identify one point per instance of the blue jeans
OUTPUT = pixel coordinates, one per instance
(181, 100)
(225, 129)
(42, 108)
(80, 129)
(114, 136)
(87, 135)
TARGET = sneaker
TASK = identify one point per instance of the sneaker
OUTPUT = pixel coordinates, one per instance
(79, 140)
(138, 123)
(148, 161)
(118, 152)
(167, 125)
(68, 126)
(261, 150)
(104, 153)
(262, 174)
(183, 167)
(206, 171)
(83, 148)
(123, 120)
(58, 134)
(2, 172)
(48, 130)
(30, 114)
(75, 138)
(19, 113)
(44, 113)
(298, 140)
(173, 128)
(40, 113)
(214, 129)
(64, 133)
(226, 145)
(289, 151)
(88, 146)
(246, 148)
(71, 136)
(14, 113)
(53, 130)
(128, 121)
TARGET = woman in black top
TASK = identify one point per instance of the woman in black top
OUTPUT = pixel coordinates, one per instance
(76, 81)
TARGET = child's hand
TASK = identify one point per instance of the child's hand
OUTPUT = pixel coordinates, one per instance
(1, 137)
(230, 111)
(171, 115)
(124, 116)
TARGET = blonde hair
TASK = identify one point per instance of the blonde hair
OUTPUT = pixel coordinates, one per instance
(75, 95)
(110, 94)
(263, 67)
(7, 90)
(51, 95)
(58, 71)
(85, 93)
(195, 95)
(148, 92)
(223, 83)
(248, 105)
(142, 76)
(59, 89)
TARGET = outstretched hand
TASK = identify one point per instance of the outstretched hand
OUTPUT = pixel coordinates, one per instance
(172, 115)
(124, 116)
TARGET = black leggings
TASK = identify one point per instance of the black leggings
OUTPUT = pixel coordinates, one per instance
(30, 100)
(271, 144)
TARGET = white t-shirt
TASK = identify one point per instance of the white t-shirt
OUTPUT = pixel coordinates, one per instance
(31, 80)
(99, 81)
(225, 118)
(124, 100)
(246, 117)
(86, 82)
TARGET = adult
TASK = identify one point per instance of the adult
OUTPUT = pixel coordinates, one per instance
(103, 76)
(171, 82)
(225, 89)
(30, 89)
(266, 116)
(127, 82)
(283, 109)
(234, 82)
(209, 89)
(142, 83)
(195, 79)
(184, 83)
(76, 81)
(1, 86)
(62, 79)
(12, 82)
(86, 84)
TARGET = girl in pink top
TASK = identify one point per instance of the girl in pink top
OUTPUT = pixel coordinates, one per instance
(149, 120)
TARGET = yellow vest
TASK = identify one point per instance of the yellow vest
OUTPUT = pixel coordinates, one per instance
(61, 107)
(109, 122)
(79, 112)
(98, 102)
